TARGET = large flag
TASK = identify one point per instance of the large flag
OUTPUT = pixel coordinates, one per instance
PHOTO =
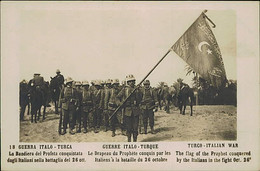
(198, 47)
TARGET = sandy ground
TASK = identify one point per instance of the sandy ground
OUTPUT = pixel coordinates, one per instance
(207, 123)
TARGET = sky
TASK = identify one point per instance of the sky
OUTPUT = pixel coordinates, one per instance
(111, 41)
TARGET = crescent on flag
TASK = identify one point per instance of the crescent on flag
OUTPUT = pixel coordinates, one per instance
(206, 61)
(202, 43)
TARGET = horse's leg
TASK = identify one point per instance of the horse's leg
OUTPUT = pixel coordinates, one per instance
(55, 104)
(44, 112)
(191, 104)
(28, 112)
(39, 113)
(167, 106)
(22, 111)
(32, 112)
(184, 105)
(180, 106)
(35, 115)
(160, 104)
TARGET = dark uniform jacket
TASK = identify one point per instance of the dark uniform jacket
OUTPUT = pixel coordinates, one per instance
(97, 98)
(68, 98)
(60, 79)
(37, 81)
(149, 99)
(79, 97)
(111, 99)
(107, 94)
(131, 106)
(87, 100)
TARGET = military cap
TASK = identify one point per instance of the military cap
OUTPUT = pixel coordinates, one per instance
(102, 81)
(146, 82)
(98, 82)
(130, 78)
(85, 83)
(179, 80)
(68, 80)
(108, 81)
(24, 81)
(37, 73)
(57, 71)
(77, 83)
(115, 81)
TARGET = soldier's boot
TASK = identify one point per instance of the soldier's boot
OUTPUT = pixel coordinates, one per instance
(145, 129)
(72, 131)
(113, 133)
(129, 137)
(78, 129)
(106, 129)
(135, 137)
(152, 130)
(95, 130)
(140, 130)
(63, 132)
(85, 130)
(123, 132)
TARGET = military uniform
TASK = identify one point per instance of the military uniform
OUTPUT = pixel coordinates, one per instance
(106, 97)
(131, 109)
(111, 103)
(68, 103)
(148, 104)
(87, 104)
(97, 107)
(60, 78)
(38, 83)
(92, 89)
(78, 111)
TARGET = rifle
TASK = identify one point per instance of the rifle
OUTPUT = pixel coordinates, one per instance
(60, 123)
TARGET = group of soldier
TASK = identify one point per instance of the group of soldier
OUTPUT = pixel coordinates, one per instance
(102, 99)
(82, 104)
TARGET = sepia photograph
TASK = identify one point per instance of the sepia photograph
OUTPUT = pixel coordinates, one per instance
(108, 84)
(78, 67)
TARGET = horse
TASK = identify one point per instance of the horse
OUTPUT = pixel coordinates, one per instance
(167, 95)
(186, 93)
(55, 90)
(38, 98)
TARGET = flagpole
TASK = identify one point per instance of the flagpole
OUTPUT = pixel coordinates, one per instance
(119, 107)
(205, 16)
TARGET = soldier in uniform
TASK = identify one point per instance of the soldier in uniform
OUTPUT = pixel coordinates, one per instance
(77, 120)
(97, 106)
(107, 92)
(68, 103)
(149, 104)
(112, 105)
(92, 88)
(60, 78)
(131, 107)
(101, 104)
(87, 103)
(38, 83)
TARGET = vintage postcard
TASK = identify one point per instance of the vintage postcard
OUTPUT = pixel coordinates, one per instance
(129, 85)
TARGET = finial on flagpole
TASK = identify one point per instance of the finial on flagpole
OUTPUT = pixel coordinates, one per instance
(204, 15)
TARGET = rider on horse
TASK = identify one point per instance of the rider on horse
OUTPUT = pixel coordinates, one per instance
(37, 83)
(60, 78)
